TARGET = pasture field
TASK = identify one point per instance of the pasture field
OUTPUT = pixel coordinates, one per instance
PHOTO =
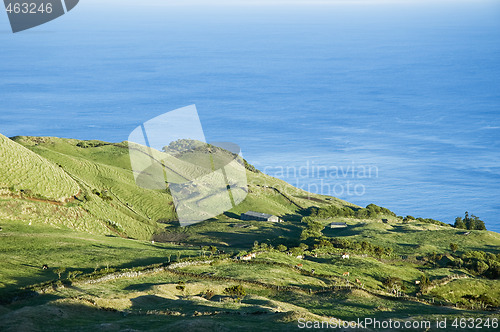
(155, 302)
(24, 249)
(74, 206)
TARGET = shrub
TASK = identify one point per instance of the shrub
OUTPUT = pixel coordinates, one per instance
(494, 270)
(303, 246)
(59, 271)
(296, 251)
(209, 294)
(481, 267)
(379, 251)
(90, 144)
(181, 286)
(237, 292)
(424, 280)
(393, 282)
(281, 248)
(433, 221)
(475, 254)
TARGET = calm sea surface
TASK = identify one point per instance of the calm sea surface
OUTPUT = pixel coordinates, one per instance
(398, 105)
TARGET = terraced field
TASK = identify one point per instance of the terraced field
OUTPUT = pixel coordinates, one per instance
(23, 172)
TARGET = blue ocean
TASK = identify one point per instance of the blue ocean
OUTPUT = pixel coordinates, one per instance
(396, 104)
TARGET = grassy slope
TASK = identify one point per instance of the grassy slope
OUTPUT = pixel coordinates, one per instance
(153, 302)
(74, 236)
(77, 308)
(21, 169)
(135, 210)
(416, 238)
(25, 248)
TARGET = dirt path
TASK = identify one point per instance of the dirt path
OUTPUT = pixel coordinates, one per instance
(40, 200)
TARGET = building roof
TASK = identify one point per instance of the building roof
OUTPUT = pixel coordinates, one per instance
(338, 223)
(258, 214)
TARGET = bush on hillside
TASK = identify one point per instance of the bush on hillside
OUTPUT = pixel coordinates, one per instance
(181, 286)
(237, 292)
(393, 282)
(208, 294)
(91, 144)
(371, 211)
(312, 229)
(281, 248)
(477, 262)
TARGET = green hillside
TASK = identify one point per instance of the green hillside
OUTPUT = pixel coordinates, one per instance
(111, 248)
(24, 173)
(110, 197)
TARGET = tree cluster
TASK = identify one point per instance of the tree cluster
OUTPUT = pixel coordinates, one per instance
(469, 222)
(371, 211)
(361, 247)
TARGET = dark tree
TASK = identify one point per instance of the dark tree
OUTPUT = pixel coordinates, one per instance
(459, 223)
(478, 223)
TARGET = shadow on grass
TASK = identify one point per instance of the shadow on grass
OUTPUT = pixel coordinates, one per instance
(190, 306)
(232, 215)
(142, 287)
(348, 306)
(245, 240)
